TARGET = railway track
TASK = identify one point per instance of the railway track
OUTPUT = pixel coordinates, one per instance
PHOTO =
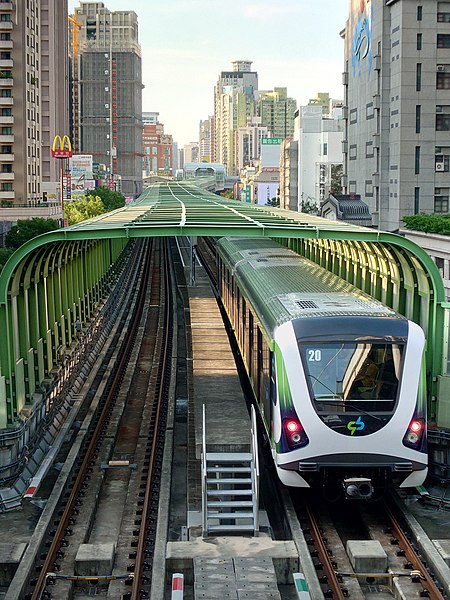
(111, 502)
(332, 530)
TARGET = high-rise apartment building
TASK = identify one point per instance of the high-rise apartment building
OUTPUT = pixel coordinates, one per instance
(233, 104)
(110, 92)
(205, 139)
(248, 143)
(33, 104)
(397, 107)
(276, 111)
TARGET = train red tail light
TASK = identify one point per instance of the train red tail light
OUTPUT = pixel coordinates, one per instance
(414, 433)
(295, 434)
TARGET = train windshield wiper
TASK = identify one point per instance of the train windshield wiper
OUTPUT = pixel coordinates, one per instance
(337, 400)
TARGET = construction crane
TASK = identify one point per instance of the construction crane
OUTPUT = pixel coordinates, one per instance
(75, 39)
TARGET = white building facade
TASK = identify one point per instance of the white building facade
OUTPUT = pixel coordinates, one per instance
(319, 149)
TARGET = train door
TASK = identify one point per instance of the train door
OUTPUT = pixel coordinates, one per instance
(264, 385)
(251, 348)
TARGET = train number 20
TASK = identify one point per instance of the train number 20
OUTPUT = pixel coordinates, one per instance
(314, 355)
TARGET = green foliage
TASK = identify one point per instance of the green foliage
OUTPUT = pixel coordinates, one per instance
(5, 253)
(309, 207)
(336, 177)
(275, 202)
(428, 223)
(227, 194)
(111, 200)
(82, 208)
(28, 229)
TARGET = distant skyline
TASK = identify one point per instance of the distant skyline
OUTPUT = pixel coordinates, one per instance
(187, 43)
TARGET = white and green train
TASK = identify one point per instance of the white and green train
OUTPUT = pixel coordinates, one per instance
(338, 377)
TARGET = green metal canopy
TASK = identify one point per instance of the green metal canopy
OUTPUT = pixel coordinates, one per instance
(56, 278)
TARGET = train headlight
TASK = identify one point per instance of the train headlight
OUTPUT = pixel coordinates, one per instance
(414, 433)
(295, 434)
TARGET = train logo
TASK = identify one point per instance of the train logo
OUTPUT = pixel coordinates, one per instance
(356, 425)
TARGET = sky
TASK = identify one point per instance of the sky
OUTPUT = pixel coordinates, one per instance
(187, 43)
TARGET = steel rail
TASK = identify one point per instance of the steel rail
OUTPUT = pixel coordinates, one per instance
(324, 557)
(433, 592)
(160, 399)
(77, 486)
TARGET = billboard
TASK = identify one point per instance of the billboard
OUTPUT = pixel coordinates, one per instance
(80, 165)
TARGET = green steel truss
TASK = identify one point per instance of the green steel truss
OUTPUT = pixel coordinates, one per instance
(58, 277)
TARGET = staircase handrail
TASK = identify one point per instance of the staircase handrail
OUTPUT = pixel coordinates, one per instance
(204, 476)
(255, 461)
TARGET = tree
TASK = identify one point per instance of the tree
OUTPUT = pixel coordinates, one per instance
(82, 208)
(111, 200)
(5, 253)
(336, 179)
(275, 202)
(28, 229)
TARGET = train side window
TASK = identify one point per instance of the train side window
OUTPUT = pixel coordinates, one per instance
(250, 344)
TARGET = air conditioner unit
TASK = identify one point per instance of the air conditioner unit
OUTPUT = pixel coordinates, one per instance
(440, 166)
(440, 68)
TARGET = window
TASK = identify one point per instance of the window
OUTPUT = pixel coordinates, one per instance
(325, 149)
(419, 13)
(6, 112)
(6, 130)
(368, 191)
(369, 149)
(442, 80)
(418, 113)
(418, 77)
(5, 36)
(353, 115)
(5, 17)
(6, 187)
(369, 110)
(6, 150)
(353, 152)
(419, 41)
(416, 200)
(417, 160)
(442, 122)
(441, 200)
(7, 168)
(5, 55)
(443, 40)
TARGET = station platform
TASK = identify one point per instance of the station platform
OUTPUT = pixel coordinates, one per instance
(215, 381)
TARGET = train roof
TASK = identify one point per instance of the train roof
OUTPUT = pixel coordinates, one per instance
(282, 286)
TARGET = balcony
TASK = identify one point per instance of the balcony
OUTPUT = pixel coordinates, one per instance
(9, 195)
(6, 63)
(6, 45)
(6, 25)
(6, 158)
(6, 101)
(6, 139)
(7, 177)
(6, 7)
(6, 120)
(6, 82)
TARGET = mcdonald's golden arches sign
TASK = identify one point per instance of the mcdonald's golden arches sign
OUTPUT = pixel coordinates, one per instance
(61, 147)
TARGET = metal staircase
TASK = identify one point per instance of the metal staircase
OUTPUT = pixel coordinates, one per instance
(230, 488)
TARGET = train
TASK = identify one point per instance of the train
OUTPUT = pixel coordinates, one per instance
(339, 378)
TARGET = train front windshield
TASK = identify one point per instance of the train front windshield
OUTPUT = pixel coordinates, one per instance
(349, 376)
